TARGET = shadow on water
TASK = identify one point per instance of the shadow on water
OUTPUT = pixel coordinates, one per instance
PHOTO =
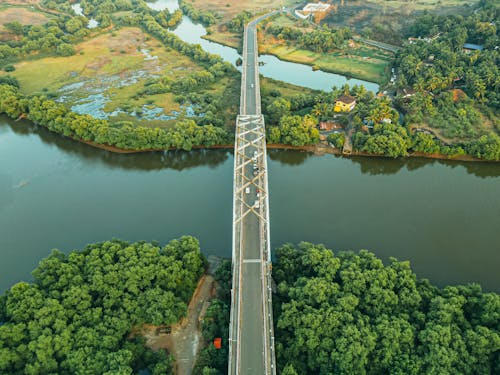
(148, 161)
(386, 166)
(180, 160)
(289, 157)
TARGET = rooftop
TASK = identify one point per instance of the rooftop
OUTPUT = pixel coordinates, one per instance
(346, 99)
(475, 47)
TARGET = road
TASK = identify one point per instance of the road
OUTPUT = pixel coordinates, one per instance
(251, 331)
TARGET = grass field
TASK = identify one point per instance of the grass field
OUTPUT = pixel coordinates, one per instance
(422, 4)
(21, 15)
(115, 65)
(285, 89)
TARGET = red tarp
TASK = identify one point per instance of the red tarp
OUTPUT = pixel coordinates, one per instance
(218, 343)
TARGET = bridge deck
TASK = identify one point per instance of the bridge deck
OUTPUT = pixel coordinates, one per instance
(251, 346)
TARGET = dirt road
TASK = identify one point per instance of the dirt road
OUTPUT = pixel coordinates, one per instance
(185, 339)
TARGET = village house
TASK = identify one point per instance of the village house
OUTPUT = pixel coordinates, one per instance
(469, 47)
(345, 103)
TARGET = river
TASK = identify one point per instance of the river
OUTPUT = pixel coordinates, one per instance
(297, 74)
(57, 193)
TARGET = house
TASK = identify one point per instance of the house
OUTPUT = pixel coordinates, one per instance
(469, 47)
(345, 103)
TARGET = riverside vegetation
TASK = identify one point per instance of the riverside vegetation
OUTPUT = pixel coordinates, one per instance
(453, 111)
(349, 313)
(78, 314)
(334, 313)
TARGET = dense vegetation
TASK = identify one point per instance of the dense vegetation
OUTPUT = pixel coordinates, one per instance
(284, 122)
(456, 91)
(376, 128)
(77, 315)
(321, 40)
(205, 18)
(56, 117)
(350, 314)
(237, 24)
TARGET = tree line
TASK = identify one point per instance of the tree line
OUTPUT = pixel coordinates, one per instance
(206, 18)
(349, 313)
(56, 117)
(321, 40)
(77, 316)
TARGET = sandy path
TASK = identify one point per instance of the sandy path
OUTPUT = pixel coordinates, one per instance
(185, 340)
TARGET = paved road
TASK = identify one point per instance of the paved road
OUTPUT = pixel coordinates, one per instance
(251, 331)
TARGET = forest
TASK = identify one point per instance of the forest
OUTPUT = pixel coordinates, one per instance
(77, 315)
(348, 313)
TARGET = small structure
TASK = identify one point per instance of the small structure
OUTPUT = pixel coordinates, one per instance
(311, 9)
(407, 93)
(218, 343)
(469, 47)
(345, 103)
(329, 126)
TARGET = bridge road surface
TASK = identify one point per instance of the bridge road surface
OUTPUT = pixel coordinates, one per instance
(251, 330)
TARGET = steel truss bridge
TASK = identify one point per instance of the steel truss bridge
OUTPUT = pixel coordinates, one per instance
(251, 332)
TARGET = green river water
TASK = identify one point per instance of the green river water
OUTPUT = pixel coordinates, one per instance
(56, 193)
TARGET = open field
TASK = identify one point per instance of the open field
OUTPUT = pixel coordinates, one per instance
(21, 15)
(286, 90)
(227, 9)
(111, 68)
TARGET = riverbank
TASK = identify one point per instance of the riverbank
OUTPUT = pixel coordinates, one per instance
(303, 57)
(317, 149)
(354, 60)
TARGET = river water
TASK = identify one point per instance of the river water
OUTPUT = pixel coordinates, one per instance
(57, 193)
(297, 74)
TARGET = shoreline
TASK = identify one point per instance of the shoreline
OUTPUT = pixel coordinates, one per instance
(348, 76)
(319, 149)
(263, 52)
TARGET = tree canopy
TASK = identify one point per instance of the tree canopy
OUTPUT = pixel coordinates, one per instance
(77, 315)
(351, 314)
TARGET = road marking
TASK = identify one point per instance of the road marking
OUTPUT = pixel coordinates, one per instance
(251, 261)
